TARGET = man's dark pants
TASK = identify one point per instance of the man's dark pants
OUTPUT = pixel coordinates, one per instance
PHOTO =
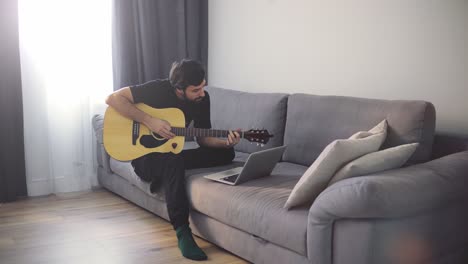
(167, 170)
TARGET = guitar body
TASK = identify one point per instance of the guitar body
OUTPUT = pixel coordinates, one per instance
(126, 140)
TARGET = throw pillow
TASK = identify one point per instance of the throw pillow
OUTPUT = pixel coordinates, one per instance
(386, 159)
(333, 157)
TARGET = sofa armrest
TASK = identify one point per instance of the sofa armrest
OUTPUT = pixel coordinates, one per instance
(391, 194)
(98, 125)
(101, 154)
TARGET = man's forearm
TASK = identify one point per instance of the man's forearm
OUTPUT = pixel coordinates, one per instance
(127, 109)
(212, 142)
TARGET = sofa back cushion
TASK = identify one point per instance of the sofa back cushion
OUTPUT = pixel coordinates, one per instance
(314, 121)
(234, 109)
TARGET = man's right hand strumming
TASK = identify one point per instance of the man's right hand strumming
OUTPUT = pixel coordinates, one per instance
(159, 126)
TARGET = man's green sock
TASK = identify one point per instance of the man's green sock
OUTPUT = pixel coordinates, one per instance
(187, 244)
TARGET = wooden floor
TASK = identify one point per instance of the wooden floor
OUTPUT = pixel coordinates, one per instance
(93, 227)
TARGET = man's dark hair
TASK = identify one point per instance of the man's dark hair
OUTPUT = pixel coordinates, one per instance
(185, 73)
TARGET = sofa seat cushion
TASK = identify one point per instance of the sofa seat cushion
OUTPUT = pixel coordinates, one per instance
(256, 206)
(125, 170)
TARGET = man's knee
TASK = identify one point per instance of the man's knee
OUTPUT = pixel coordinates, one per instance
(174, 159)
(176, 162)
(227, 155)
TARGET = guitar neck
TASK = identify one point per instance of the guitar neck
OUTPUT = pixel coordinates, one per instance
(201, 132)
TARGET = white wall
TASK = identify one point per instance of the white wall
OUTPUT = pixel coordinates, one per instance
(390, 49)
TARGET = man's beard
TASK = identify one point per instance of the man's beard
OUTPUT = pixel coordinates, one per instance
(194, 101)
(198, 100)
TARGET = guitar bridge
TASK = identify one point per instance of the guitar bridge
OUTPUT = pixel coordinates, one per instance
(135, 132)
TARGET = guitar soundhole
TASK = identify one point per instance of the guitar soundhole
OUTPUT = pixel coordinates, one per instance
(157, 136)
(149, 141)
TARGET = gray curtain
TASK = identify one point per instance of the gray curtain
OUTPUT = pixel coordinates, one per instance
(148, 35)
(12, 165)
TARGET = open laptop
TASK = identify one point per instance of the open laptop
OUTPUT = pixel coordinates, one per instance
(259, 164)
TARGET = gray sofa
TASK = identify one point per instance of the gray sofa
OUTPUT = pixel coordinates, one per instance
(420, 209)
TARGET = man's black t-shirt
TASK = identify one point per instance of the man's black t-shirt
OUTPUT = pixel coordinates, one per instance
(161, 94)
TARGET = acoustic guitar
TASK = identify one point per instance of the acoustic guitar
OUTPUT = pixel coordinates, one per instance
(125, 139)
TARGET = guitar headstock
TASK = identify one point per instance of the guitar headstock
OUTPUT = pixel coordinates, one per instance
(259, 136)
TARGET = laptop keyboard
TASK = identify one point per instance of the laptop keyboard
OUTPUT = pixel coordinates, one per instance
(232, 178)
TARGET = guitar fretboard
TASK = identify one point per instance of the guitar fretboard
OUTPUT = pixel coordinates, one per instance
(201, 132)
